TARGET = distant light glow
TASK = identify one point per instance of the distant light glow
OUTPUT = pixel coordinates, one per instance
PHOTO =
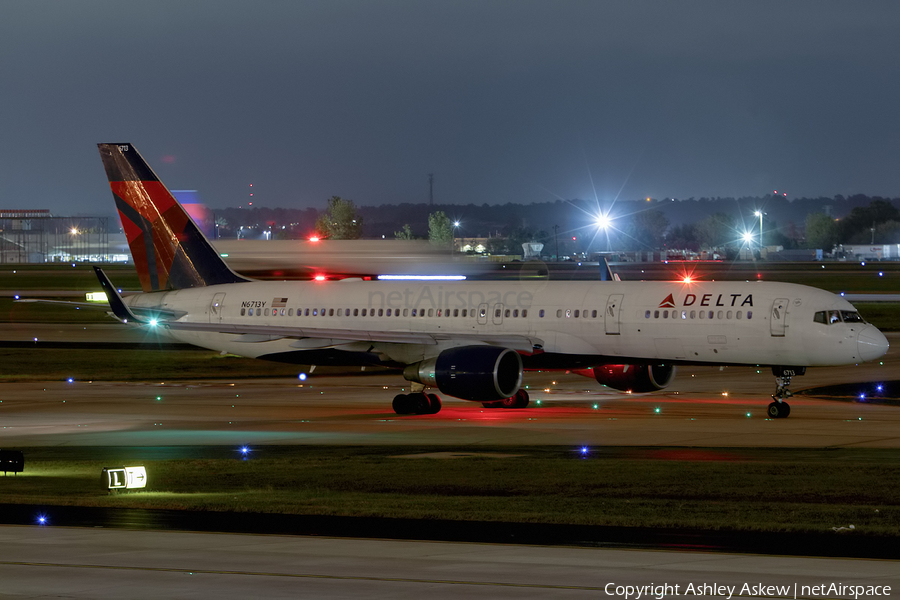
(687, 279)
(244, 450)
(747, 236)
(603, 221)
(421, 277)
(880, 387)
(314, 238)
(584, 450)
(320, 278)
(73, 231)
(42, 520)
(302, 376)
(153, 322)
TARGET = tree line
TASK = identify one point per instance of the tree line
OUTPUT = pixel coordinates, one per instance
(571, 225)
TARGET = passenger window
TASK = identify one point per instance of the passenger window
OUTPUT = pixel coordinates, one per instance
(719, 315)
(524, 312)
(464, 312)
(330, 312)
(405, 312)
(455, 312)
(430, 312)
(665, 314)
(267, 312)
(306, 314)
(749, 314)
(576, 313)
(593, 314)
(380, 312)
(290, 312)
(243, 311)
(541, 314)
(655, 314)
(647, 315)
(702, 314)
(515, 313)
(506, 313)
(569, 314)
(251, 312)
(728, 315)
(740, 315)
(693, 314)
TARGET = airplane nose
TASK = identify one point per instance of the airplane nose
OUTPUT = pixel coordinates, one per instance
(872, 344)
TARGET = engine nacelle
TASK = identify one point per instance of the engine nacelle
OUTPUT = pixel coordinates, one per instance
(635, 378)
(479, 373)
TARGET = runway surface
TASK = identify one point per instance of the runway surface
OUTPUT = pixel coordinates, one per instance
(705, 407)
(92, 563)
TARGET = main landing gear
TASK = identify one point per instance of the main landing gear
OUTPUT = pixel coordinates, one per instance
(779, 409)
(520, 400)
(418, 403)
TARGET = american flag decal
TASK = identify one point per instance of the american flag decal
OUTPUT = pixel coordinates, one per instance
(279, 302)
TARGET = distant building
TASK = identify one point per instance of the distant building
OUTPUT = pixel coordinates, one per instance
(37, 236)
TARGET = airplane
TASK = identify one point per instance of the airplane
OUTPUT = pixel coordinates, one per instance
(469, 339)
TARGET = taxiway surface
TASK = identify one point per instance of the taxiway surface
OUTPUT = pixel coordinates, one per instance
(91, 563)
(704, 407)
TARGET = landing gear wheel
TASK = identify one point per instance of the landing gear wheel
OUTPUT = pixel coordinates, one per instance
(778, 410)
(493, 404)
(519, 400)
(401, 404)
(434, 402)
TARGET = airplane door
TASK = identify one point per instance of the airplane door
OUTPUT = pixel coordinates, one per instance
(779, 317)
(497, 317)
(215, 308)
(482, 314)
(613, 310)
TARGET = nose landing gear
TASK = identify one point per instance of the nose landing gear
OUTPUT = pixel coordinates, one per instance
(779, 409)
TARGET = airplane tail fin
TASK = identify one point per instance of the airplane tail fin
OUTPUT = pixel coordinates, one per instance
(168, 248)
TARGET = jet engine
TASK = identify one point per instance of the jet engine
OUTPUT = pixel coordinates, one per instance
(638, 378)
(479, 373)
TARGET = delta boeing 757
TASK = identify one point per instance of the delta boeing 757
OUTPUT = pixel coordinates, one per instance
(469, 339)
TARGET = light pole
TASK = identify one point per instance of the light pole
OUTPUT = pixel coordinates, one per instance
(760, 214)
(453, 238)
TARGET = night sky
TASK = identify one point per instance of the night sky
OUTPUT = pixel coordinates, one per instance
(516, 101)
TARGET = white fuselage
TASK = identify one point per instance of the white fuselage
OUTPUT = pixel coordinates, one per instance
(754, 323)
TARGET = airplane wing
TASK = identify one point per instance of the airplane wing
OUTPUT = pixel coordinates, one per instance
(265, 333)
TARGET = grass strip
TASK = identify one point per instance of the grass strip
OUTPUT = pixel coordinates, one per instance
(765, 490)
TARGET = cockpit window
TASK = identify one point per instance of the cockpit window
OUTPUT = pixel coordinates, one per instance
(851, 316)
(830, 317)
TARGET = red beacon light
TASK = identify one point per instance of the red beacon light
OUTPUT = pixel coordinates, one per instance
(320, 278)
(314, 238)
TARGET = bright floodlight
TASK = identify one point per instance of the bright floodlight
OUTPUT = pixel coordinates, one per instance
(748, 237)
(456, 223)
(756, 214)
(603, 221)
